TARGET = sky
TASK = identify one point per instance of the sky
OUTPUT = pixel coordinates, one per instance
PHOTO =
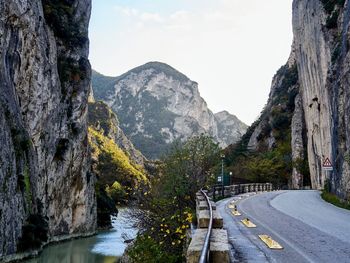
(232, 48)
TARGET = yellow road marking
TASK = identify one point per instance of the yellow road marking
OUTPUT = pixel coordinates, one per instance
(248, 223)
(272, 244)
(236, 213)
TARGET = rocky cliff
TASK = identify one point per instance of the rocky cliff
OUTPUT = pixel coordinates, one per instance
(321, 31)
(156, 105)
(319, 122)
(281, 125)
(46, 190)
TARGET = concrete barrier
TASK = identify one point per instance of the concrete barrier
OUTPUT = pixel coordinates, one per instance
(219, 246)
(203, 218)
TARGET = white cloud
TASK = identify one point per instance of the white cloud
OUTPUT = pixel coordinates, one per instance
(152, 17)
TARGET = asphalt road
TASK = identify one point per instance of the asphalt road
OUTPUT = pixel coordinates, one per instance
(309, 229)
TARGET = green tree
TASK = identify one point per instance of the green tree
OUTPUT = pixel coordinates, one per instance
(170, 202)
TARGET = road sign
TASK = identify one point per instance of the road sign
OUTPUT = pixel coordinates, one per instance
(327, 165)
(219, 179)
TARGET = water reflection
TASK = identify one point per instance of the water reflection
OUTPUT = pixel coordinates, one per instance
(106, 247)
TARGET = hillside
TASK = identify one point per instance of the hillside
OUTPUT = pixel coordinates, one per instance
(157, 105)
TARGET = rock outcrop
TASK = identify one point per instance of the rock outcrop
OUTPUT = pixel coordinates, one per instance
(157, 105)
(45, 181)
(320, 121)
(282, 122)
(321, 31)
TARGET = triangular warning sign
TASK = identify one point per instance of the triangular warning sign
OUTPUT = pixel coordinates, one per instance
(327, 163)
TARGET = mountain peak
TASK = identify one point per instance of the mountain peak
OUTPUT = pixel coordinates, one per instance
(159, 67)
(156, 105)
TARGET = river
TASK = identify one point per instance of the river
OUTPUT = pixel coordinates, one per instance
(105, 247)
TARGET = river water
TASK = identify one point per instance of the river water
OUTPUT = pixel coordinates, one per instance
(105, 247)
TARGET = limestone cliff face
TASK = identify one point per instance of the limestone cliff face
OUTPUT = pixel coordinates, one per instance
(44, 84)
(157, 104)
(321, 114)
(282, 122)
(321, 31)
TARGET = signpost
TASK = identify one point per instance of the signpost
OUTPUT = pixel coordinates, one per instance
(327, 165)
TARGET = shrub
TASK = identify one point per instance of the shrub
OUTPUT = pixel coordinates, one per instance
(116, 192)
(333, 199)
(105, 207)
(147, 250)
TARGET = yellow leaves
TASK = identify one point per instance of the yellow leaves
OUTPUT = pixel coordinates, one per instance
(167, 231)
(178, 230)
(189, 218)
(102, 144)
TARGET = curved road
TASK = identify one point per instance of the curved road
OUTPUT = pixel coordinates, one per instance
(309, 229)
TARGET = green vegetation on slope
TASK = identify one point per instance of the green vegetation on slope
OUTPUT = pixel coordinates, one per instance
(113, 164)
(270, 164)
(118, 177)
(170, 201)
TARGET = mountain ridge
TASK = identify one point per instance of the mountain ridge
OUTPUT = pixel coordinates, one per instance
(169, 99)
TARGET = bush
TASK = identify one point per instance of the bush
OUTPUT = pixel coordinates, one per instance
(333, 199)
(116, 192)
(105, 207)
(170, 201)
(113, 164)
(147, 250)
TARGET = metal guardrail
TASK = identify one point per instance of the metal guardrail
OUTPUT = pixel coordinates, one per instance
(240, 189)
(204, 254)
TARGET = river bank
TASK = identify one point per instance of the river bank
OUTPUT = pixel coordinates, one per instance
(104, 247)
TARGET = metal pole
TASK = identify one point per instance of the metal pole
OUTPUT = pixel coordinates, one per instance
(222, 175)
